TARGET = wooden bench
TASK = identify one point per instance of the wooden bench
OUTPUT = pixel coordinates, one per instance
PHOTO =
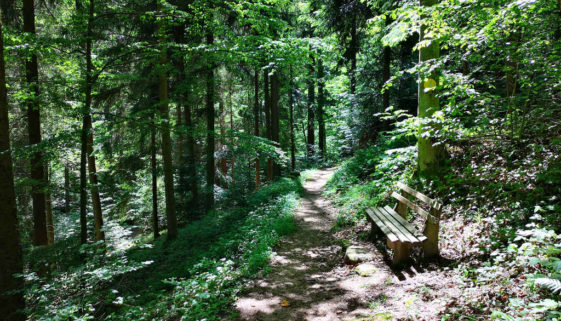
(401, 234)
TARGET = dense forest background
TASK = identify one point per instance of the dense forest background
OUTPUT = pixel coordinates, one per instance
(149, 149)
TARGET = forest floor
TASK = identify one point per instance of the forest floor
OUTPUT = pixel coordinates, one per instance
(309, 280)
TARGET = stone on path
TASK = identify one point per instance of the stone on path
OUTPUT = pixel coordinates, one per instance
(366, 269)
(356, 254)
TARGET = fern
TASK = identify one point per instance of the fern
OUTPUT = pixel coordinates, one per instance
(552, 284)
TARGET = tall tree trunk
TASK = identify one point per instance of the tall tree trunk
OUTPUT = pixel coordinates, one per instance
(320, 111)
(222, 145)
(210, 167)
(256, 114)
(267, 103)
(153, 167)
(291, 122)
(191, 160)
(386, 70)
(34, 129)
(232, 141)
(83, 169)
(49, 209)
(354, 50)
(166, 138)
(83, 184)
(11, 257)
(96, 200)
(275, 116)
(430, 155)
(311, 111)
(66, 188)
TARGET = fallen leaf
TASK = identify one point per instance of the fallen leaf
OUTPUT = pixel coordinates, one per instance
(285, 303)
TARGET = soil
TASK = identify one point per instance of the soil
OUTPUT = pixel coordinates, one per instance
(308, 279)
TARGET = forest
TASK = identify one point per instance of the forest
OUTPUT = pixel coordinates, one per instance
(222, 160)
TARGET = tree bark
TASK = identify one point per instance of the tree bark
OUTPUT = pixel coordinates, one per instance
(291, 122)
(222, 144)
(311, 111)
(275, 117)
(267, 94)
(210, 166)
(66, 188)
(49, 209)
(354, 50)
(11, 257)
(153, 166)
(429, 155)
(191, 160)
(256, 114)
(320, 111)
(166, 138)
(96, 200)
(34, 129)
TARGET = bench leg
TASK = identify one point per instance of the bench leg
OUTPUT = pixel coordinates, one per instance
(375, 231)
(401, 253)
(430, 246)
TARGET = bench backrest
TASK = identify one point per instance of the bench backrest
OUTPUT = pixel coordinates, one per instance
(432, 216)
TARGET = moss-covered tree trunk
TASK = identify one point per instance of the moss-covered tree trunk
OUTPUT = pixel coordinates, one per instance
(430, 156)
(39, 236)
(11, 258)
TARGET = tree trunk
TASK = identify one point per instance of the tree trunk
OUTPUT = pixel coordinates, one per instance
(34, 129)
(11, 257)
(222, 145)
(49, 209)
(66, 188)
(291, 122)
(354, 50)
(96, 201)
(166, 139)
(83, 183)
(430, 156)
(311, 111)
(232, 141)
(256, 114)
(153, 166)
(267, 94)
(275, 117)
(386, 70)
(320, 111)
(210, 167)
(191, 161)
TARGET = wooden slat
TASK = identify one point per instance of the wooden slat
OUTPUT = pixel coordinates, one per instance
(410, 204)
(400, 224)
(380, 223)
(408, 225)
(420, 196)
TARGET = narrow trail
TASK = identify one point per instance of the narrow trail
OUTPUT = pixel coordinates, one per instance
(309, 273)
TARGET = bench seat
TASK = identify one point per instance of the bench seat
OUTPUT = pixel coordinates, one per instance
(394, 226)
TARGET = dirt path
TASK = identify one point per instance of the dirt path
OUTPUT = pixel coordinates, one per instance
(308, 279)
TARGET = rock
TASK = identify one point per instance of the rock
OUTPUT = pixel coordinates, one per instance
(356, 254)
(366, 269)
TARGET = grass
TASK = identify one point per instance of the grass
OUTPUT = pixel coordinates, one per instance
(195, 277)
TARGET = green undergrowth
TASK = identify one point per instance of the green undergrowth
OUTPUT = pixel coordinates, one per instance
(501, 221)
(195, 277)
(365, 179)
